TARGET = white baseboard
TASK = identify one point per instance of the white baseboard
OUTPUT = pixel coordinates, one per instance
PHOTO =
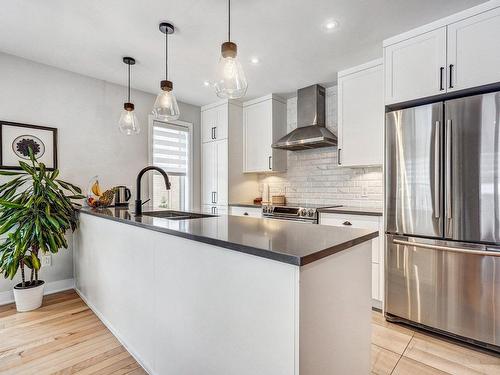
(115, 333)
(50, 288)
(377, 304)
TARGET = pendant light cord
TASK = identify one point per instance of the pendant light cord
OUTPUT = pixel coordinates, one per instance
(166, 56)
(128, 83)
(229, 21)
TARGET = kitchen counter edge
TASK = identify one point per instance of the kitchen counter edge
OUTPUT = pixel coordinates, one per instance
(295, 260)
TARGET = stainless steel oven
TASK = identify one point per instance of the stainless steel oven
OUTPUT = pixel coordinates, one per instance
(295, 212)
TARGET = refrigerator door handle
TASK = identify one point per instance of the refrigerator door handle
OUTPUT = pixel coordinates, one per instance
(448, 248)
(449, 212)
(437, 170)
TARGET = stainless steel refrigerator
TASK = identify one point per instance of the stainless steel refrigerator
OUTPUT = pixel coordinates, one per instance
(443, 217)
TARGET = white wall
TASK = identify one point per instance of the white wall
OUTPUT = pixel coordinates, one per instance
(314, 177)
(86, 112)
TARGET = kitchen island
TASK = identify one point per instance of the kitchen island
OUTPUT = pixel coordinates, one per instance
(229, 294)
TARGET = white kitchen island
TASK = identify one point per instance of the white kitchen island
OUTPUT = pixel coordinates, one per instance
(229, 295)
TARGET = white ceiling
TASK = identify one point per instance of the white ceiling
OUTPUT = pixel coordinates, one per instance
(91, 36)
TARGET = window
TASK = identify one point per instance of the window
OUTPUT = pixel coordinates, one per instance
(170, 149)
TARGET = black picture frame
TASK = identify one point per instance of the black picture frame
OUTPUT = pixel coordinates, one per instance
(27, 126)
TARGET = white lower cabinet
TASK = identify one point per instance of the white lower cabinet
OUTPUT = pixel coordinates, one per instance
(214, 209)
(365, 222)
(376, 288)
(245, 211)
(215, 173)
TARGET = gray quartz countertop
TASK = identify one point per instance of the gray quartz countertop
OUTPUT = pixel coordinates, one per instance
(352, 210)
(285, 241)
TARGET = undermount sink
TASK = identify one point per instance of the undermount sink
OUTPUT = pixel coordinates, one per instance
(175, 215)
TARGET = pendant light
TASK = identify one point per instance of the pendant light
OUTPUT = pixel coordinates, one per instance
(230, 79)
(166, 107)
(129, 124)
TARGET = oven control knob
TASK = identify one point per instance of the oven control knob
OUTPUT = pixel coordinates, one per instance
(264, 209)
(310, 212)
(302, 212)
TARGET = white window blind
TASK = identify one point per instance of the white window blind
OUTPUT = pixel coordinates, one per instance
(170, 148)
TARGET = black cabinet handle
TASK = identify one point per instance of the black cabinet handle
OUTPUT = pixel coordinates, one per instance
(338, 156)
(215, 197)
(451, 75)
(215, 132)
(441, 76)
(245, 213)
(347, 223)
(270, 163)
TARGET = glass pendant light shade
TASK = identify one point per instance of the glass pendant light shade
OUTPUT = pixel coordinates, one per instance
(166, 107)
(230, 81)
(129, 124)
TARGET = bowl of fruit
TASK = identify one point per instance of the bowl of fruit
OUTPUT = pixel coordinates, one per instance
(98, 198)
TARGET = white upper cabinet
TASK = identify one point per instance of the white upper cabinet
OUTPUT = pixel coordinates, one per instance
(361, 115)
(416, 67)
(474, 51)
(214, 122)
(455, 53)
(264, 122)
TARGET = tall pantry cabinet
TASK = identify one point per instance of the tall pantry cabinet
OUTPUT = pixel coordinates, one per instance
(222, 180)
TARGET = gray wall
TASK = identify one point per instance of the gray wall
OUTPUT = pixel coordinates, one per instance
(86, 112)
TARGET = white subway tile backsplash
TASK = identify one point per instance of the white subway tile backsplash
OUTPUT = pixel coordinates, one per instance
(313, 176)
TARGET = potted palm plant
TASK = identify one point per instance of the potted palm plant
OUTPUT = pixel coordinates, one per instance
(36, 210)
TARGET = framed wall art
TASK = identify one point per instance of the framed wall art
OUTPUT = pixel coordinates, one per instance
(16, 140)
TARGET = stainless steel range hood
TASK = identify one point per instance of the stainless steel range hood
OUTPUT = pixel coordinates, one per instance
(311, 131)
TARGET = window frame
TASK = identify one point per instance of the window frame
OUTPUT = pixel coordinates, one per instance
(189, 126)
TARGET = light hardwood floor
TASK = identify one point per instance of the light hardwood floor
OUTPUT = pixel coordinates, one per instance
(62, 337)
(398, 350)
(65, 337)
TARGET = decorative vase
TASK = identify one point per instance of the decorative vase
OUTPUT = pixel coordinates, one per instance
(30, 297)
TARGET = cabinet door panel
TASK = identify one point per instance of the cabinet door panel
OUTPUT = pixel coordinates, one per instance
(209, 172)
(355, 221)
(245, 211)
(258, 136)
(221, 125)
(376, 282)
(208, 122)
(222, 172)
(473, 51)
(413, 67)
(361, 132)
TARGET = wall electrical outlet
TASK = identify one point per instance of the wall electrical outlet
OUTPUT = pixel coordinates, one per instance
(46, 260)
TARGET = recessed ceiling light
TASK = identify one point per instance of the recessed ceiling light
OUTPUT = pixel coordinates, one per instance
(254, 60)
(206, 83)
(330, 25)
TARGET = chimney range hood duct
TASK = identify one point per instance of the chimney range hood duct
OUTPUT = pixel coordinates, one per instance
(311, 131)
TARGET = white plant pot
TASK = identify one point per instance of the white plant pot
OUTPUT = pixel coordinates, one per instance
(30, 298)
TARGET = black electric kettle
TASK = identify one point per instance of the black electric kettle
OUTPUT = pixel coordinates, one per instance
(122, 196)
